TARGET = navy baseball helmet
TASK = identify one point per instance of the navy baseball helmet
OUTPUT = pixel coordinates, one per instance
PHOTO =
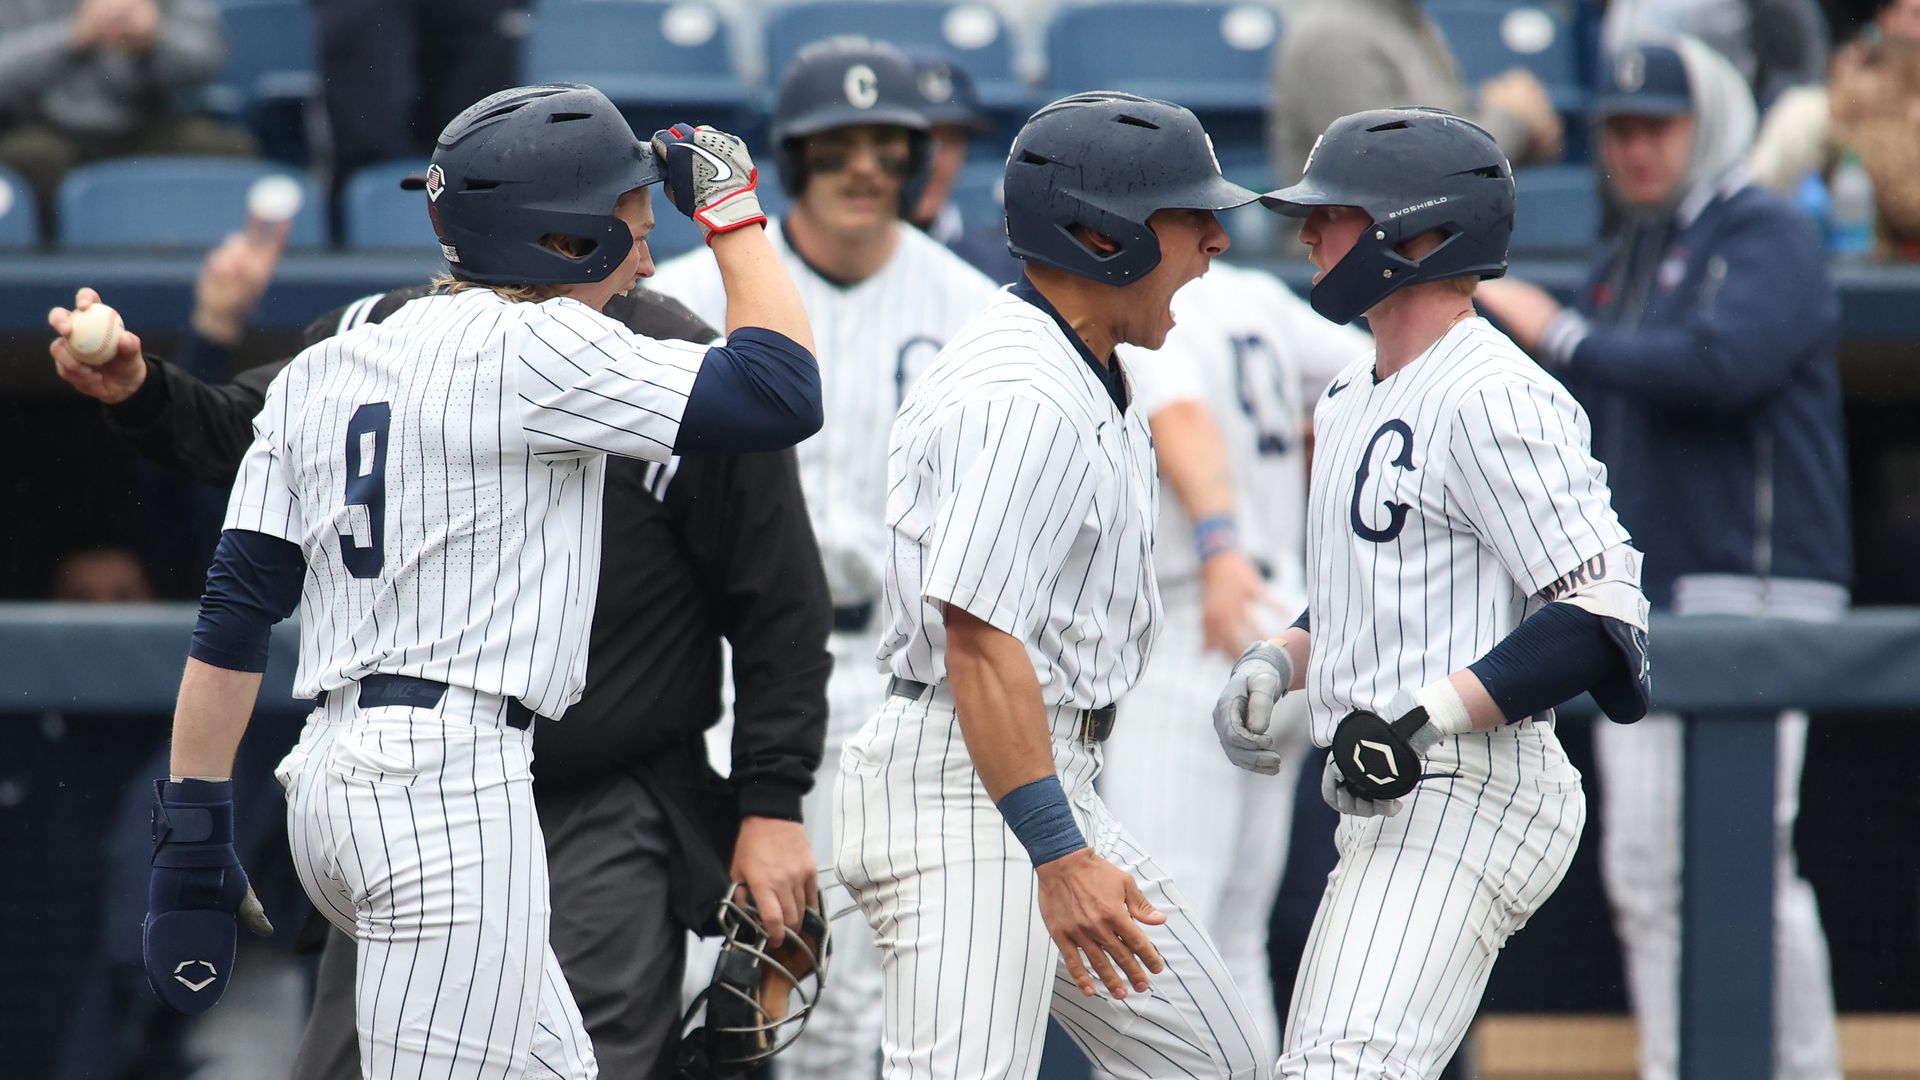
(845, 81)
(1412, 170)
(533, 162)
(1107, 161)
(947, 94)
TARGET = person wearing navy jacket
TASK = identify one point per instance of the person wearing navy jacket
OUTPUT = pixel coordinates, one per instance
(1702, 347)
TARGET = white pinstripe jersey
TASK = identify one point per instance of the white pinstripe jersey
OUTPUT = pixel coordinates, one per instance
(874, 338)
(1017, 490)
(1240, 345)
(1442, 500)
(442, 471)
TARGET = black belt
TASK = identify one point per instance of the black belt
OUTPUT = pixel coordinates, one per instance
(1095, 724)
(852, 619)
(378, 690)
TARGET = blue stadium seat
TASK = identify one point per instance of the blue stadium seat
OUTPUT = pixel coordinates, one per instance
(979, 192)
(1492, 36)
(270, 55)
(970, 34)
(380, 215)
(645, 52)
(19, 212)
(1208, 58)
(189, 202)
(1557, 210)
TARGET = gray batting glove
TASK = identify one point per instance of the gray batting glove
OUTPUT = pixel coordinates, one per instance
(710, 177)
(1243, 717)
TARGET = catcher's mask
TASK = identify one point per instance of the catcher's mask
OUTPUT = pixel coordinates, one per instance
(760, 996)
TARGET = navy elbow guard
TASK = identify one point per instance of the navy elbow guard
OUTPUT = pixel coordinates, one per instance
(254, 582)
(1590, 638)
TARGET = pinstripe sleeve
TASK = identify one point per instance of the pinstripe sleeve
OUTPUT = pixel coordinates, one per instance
(1521, 467)
(588, 385)
(263, 499)
(1015, 487)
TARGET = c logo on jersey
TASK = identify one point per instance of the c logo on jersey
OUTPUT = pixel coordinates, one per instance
(1396, 511)
(915, 354)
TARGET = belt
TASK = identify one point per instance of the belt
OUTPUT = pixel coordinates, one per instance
(378, 690)
(1095, 724)
(853, 618)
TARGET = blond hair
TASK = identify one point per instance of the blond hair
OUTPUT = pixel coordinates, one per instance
(571, 246)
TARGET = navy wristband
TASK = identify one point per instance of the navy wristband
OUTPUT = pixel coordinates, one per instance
(1215, 535)
(1038, 814)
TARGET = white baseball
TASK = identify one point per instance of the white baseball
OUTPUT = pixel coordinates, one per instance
(95, 336)
(274, 199)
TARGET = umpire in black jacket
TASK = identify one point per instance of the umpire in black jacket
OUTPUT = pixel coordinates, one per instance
(640, 832)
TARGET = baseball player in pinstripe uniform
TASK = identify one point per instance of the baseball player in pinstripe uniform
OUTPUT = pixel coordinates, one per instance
(1224, 398)
(1020, 607)
(1465, 573)
(427, 492)
(882, 298)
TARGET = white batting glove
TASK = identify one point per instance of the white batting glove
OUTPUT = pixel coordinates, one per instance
(1243, 717)
(710, 178)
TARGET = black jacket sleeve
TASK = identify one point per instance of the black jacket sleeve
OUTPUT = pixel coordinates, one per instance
(200, 430)
(755, 545)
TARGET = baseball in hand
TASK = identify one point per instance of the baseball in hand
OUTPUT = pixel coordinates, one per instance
(274, 199)
(95, 337)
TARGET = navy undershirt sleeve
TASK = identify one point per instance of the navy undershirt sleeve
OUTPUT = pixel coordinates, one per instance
(1305, 621)
(254, 582)
(1554, 655)
(758, 392)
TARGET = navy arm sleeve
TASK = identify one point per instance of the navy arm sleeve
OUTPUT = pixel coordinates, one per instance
(1304, 622)
(758, 392)
(1557, 654)
(254, 582)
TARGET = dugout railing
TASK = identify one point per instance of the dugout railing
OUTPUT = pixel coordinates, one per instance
(1727, 675)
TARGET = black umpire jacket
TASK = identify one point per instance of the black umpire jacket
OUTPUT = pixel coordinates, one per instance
(716, 546)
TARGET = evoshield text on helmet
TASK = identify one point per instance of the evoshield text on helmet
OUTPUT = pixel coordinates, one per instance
(1413, 171)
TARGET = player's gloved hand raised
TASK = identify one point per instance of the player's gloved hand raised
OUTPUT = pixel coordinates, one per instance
(1375, 762)
(1243, 716)
(196, 893)
(710, 178)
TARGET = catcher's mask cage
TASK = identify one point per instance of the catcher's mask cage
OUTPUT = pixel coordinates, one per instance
(760, 996)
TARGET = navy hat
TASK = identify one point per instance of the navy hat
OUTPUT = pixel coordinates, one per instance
(947, 93)
(1644, 80)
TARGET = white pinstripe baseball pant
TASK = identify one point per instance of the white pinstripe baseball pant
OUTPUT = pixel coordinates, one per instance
(413, 829)
(971, 972)
(1420, 904)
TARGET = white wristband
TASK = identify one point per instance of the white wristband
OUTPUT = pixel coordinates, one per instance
(1446, 711)
(203, 779)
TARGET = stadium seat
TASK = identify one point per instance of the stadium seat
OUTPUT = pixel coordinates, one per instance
(979, 192)
(639, 52)
(270, 55)
(19, 212)
(1557, 210)
(970, 34)
(380, 215)
(1492, 36)
(186, 202)
(1208, 58)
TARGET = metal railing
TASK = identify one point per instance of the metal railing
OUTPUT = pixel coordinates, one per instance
(1730, 676)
